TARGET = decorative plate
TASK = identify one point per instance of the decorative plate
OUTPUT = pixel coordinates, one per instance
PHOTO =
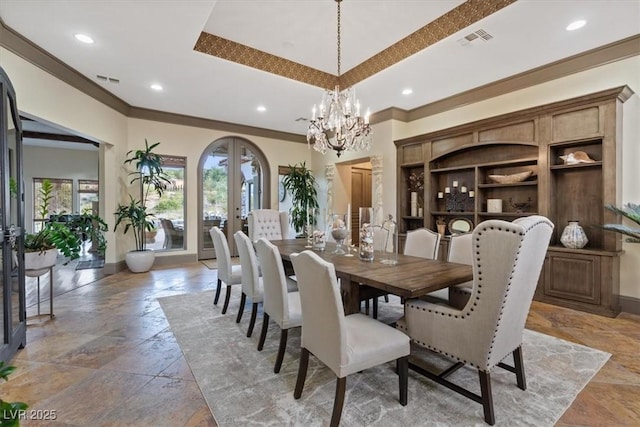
(460, 225)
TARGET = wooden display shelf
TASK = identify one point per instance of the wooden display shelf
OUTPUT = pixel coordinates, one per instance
(577, 166)
(515, 184)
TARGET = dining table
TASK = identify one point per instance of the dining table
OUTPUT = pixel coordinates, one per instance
(410, 277)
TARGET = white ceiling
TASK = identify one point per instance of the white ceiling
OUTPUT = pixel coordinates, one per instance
(151, 41)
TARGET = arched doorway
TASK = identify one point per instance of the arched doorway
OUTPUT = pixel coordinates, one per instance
(233, 179)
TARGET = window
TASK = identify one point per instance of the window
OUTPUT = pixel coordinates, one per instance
(61, 199)
(88, 193)
(169, 209)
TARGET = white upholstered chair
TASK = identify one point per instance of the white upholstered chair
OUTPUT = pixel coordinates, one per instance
(346, 344)
(227, 273)
(507, 260)
(423, 243)
(268, 223)
(461, 252)
(279, 304)
(251, 280)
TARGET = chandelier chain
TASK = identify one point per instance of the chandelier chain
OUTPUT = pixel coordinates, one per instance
(339, 125)
(339, 1)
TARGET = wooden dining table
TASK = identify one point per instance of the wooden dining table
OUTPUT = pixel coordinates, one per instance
(411, 277)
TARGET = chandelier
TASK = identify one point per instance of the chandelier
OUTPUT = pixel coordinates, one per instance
(339, 125)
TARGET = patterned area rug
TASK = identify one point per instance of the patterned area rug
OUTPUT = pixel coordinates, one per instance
(241, 389)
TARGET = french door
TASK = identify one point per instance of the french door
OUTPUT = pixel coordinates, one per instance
(233, 179)
(12, 292)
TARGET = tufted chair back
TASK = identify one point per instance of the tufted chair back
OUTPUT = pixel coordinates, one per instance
(268, 223)
(507, 260)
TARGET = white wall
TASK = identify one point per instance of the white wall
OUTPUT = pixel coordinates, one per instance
(41, 162)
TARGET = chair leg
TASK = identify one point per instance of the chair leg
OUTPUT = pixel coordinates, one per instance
(402, 367)
(243, 300)
(338, 403)
(252, 322)
(375, 307)
(386, 298)
(227, 297)
(263, 332)
(284, 333)
(487, 398)
(366, 307)
(215, 300)
(518, 364)
(302, 372)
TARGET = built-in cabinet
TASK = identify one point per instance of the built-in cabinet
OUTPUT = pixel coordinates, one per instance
(515, 165)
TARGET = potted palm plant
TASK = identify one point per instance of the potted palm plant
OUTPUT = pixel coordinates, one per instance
(301, 184)
(134, 216)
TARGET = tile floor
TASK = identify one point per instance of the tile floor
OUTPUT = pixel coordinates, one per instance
(109, 359)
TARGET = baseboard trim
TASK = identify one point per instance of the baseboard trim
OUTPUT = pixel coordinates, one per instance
(630, 304)
(175, 259)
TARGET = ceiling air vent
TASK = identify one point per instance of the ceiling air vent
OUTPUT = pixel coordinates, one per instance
(107, 79)
(476, 36)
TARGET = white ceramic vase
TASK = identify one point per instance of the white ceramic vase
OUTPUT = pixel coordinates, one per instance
(140, 261)
(573, 236)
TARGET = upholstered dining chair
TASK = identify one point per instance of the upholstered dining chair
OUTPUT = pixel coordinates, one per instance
(346, 344)
(252, 286)
(227, 273)
(268, 223)
(507, 260)
(423, 243)
(420, 242)
(279, 304)
(461, 252)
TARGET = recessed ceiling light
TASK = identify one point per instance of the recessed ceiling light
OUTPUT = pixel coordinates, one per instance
(84, 38)
(576, 24)
(156, 87)
(407, 91)
(261, 108)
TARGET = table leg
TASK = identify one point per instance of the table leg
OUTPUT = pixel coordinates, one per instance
(350, 294)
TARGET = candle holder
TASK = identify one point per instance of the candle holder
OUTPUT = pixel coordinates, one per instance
(457, 199)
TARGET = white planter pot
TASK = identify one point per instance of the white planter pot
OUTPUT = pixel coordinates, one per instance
(140, 261)
(38, 263)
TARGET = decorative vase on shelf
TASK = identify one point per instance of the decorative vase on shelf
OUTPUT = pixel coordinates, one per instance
(414, 203)
(573, 236)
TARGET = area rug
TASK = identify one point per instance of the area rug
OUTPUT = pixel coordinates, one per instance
(94, 263)
(241, 389)
(211, 264)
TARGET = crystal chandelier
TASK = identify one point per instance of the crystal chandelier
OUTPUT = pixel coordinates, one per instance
(339, 125)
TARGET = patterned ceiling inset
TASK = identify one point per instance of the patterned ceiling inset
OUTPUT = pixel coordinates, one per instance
(451, 22)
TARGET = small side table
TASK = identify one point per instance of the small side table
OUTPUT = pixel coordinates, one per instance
(38, 273)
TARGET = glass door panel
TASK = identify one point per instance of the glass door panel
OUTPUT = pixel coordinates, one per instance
(12, 295)
(232, 181)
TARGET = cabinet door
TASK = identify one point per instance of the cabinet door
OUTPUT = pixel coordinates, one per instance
(573, 276)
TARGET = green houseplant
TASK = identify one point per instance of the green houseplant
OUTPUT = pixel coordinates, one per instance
(630, 211)
(10, 412)
(301, 184)
(64, 236)
(151, 178)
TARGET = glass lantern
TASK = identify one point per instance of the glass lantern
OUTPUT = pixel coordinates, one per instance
(339, 231)
(389, 244)
(366, 248)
